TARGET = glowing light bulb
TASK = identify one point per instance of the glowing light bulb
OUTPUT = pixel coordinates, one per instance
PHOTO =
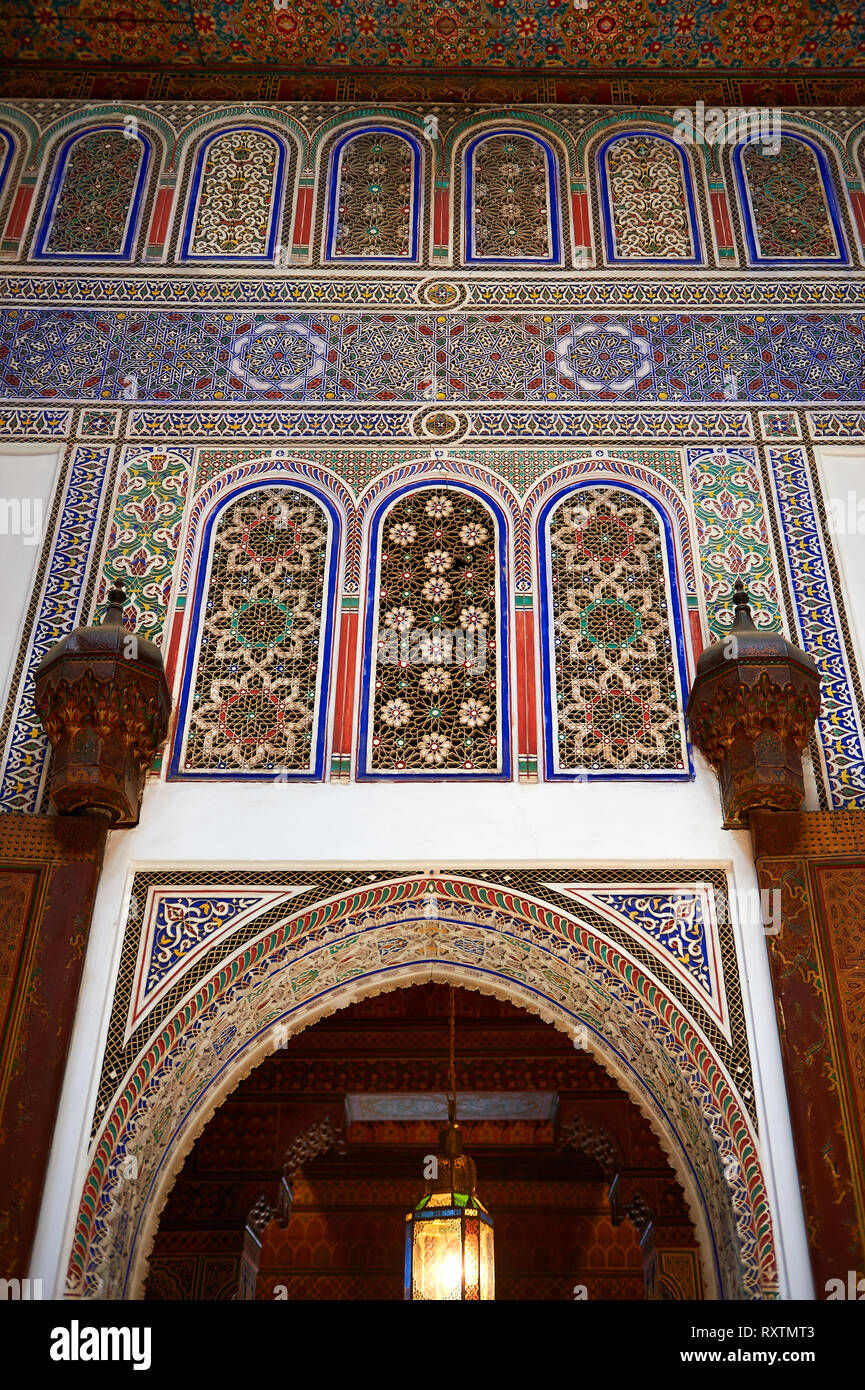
(450, 1273)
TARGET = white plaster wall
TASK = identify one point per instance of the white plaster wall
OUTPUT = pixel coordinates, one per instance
(422, 825)
(28, 474)
(842, 474)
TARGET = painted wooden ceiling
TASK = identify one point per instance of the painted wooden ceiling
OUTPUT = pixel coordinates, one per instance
(506, 35)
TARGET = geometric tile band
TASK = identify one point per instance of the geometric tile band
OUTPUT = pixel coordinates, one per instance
(208, 356)
(343, 291)
(562, 422)
(344, 424)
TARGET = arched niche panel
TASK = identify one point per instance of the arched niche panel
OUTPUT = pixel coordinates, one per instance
(235, 197)
(435, 670)
(253, 701)
(375, 197)
(593, 955)
(511, 208)
(647, 198)
(94, 202)
(789, 209)
(612, 649)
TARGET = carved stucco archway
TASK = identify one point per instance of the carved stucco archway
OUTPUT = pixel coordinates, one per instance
(452, 929)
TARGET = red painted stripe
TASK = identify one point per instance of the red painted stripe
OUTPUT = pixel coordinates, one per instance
(339, 687)
(530, 736)
(441, 216)
(725, 213)
(303, 217)
(350, 674)
(520, 679)
(344, 695)
(858, 200)
(173, 647)
(527, 733)
(696, 632)
(18, 215)
(721, 218)
(161, 214)
(580, 212)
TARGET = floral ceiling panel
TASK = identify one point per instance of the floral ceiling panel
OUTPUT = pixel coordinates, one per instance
(532, 34)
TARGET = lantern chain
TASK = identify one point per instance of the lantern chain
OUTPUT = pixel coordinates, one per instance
(452, 1070)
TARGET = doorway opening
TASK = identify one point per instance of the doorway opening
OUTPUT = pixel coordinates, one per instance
(298, 1186)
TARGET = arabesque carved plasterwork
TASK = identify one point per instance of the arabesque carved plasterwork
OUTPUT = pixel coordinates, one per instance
(647, 200)
(236, 198)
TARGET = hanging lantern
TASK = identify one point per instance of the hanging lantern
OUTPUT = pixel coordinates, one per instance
(449, 1235)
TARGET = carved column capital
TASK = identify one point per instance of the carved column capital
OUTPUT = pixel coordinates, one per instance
(751, 713)
(103, 701)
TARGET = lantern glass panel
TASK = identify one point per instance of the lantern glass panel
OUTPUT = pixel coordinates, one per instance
(470, 1260)
(437, 1260)
(488, 1275)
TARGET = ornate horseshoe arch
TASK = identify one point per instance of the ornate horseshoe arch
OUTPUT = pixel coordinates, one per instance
(215, 976)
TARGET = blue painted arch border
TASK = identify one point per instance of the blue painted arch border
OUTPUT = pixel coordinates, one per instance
(11, 146)
(329, 602)
(547, 637)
